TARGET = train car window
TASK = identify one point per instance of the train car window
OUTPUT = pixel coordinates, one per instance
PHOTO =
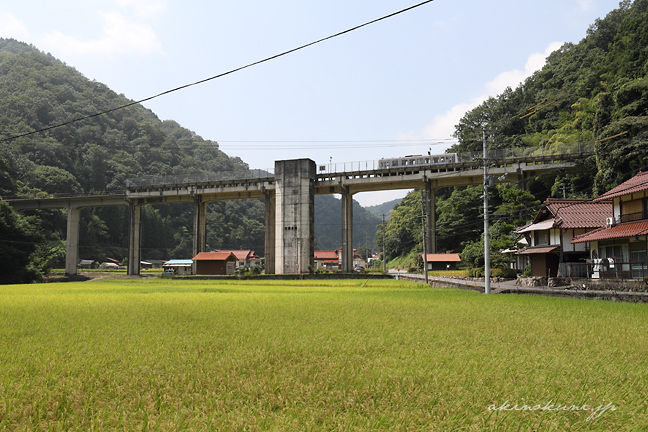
(394, 163)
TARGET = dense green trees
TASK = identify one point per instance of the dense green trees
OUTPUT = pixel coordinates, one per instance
(596, 90)
(102, 152)
(20, 238)
(99, 154)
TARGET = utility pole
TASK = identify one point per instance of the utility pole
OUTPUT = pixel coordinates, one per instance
(486, 236)
(424, 225)
(383, 245)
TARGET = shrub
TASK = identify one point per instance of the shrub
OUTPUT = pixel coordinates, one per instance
(509, 273)
(527, 271)
(476, 272)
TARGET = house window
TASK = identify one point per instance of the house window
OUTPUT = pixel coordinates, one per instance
(638, 259)
(541, 237)
(633, 210)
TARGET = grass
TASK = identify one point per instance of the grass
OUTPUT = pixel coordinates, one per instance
(314, 355)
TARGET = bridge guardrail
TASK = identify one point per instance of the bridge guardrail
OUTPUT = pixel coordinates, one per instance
(371, 165)
(533, 152)
(197, 178)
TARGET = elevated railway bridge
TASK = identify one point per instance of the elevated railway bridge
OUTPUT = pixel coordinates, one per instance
(289, 196)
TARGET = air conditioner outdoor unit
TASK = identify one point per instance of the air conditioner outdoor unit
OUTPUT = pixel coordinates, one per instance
(610, 222)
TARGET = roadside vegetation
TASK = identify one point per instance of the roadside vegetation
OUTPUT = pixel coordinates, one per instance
(161, 354)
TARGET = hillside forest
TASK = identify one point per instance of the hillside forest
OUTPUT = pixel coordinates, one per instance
(595, 90)
(99, 154)
(592, 91)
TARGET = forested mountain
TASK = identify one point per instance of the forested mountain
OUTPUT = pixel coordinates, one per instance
(596, 90)
(328, 224)
(384, 208)
(99, 153)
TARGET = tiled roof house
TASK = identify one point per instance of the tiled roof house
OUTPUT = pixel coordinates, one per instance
(326, 259)
(214, 263)
(551, 233)
(625, 233)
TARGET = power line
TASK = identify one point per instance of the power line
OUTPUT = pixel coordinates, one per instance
(182, 87)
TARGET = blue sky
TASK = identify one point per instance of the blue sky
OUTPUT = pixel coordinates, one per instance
(396, 87)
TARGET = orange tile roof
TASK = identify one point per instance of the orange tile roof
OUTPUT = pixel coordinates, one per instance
(637, 183)
(239, 254)
(326, 255)
(214, 256)
(624, 230)
(449, 257)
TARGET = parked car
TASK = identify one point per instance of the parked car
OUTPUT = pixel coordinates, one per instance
(169, 271)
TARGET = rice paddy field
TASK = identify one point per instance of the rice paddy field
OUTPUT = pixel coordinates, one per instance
(167, 355)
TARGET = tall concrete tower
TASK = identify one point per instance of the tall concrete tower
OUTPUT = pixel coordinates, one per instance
(295, 215)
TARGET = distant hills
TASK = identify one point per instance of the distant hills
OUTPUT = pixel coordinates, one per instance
(384, 208)
(99, 153)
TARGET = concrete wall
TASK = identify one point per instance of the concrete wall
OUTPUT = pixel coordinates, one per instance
(294, 215)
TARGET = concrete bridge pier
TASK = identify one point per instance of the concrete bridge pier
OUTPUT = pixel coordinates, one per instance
(72, 240)
(134, 237)
(347, 230)
(430, 210)
(270, 233)
(294, 215)
(199, 225)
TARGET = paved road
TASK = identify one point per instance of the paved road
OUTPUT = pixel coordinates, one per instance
(495, 286)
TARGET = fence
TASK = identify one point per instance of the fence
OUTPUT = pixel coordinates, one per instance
(605, 270)
(511, 154)
(199, 178)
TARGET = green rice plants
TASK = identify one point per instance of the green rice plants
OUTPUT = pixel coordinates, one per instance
(169, 354)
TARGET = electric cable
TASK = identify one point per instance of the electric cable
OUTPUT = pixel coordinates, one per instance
(182, 87)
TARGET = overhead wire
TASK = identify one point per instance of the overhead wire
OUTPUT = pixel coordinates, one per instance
(182, 87)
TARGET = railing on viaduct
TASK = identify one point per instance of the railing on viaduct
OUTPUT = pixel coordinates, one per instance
(462, 161)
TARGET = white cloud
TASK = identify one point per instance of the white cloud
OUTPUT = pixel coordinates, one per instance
(12, 27)
(121, 36)
(586, 5)
(444, 125)
(143, 8)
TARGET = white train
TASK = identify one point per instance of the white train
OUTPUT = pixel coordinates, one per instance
(422, 161)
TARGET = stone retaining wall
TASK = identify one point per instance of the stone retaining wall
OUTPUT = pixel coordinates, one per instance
(629, 285)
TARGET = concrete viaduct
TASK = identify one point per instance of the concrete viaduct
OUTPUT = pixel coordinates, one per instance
(289, 199)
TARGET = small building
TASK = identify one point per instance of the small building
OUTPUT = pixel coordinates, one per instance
(327, 260)
(215, 263)
(156, 264)
(108, 265)
(181, 266)
(86, 264)
(112, 260)
(358, 261)
(373, 258)
(446, 261)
